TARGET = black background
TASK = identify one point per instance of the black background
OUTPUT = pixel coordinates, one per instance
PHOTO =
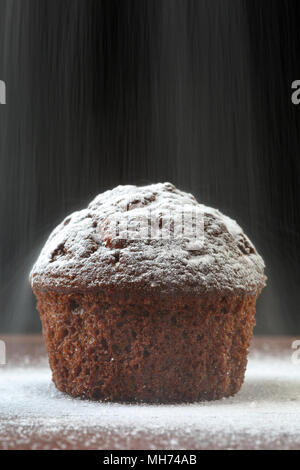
(101, 93)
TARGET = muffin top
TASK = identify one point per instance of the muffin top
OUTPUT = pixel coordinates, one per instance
(153, 237)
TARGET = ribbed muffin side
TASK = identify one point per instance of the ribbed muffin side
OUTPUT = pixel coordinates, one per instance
(121, 346)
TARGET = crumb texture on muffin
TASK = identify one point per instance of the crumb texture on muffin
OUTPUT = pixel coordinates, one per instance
(82, 253)
(125, 347)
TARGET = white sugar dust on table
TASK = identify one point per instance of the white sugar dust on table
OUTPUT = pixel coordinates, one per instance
(264, 414)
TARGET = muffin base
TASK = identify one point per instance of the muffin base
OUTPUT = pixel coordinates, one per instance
(119, 346)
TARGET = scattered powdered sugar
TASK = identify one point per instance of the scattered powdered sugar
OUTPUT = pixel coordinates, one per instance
(83, 252)
(264, 414)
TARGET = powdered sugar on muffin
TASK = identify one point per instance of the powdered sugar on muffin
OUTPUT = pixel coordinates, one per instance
(85, 252)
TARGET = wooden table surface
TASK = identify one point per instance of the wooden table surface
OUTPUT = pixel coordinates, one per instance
(265, 414)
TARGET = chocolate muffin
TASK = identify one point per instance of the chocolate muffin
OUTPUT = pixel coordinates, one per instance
(137, 304)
